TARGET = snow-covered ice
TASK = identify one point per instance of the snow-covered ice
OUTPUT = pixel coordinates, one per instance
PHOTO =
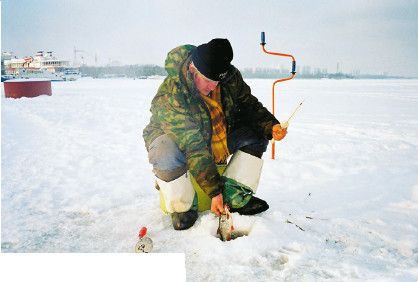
(343, 191)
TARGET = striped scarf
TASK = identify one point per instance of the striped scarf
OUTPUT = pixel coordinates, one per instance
(219, 146)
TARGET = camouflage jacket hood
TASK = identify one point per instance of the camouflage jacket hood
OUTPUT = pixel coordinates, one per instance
(176, 59)
(178, 111)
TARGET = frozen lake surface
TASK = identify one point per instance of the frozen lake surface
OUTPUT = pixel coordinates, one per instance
(75, 178)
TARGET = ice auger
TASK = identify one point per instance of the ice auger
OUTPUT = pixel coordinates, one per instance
(293, 73)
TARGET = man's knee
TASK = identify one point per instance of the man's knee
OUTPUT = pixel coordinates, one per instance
(171, 174)
(167, 160)
(245, 139)
(256, 149)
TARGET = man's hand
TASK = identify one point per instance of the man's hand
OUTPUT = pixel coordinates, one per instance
(217, 205)
(278, 132)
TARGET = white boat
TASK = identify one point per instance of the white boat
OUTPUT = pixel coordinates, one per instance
(42, 65)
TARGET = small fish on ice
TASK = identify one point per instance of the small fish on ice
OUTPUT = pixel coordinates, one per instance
(226, 226)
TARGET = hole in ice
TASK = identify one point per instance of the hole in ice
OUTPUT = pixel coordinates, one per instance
(236, 234)
(242, 226)
(239, 233)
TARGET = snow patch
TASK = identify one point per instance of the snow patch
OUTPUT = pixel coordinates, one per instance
(343, 190)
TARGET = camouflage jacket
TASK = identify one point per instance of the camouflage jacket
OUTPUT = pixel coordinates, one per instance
(179, 111)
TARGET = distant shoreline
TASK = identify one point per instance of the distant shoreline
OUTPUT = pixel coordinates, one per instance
(145, 71)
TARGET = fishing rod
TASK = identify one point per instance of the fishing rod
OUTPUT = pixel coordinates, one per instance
(286, 123)
(293, 73)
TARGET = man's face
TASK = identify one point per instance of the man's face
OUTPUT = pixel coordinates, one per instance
(203, 84)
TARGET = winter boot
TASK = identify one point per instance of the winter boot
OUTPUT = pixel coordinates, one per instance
(184, 220)
(179, 199)
(240, 183)
(245, 169)
(254, 206)
(178, 195)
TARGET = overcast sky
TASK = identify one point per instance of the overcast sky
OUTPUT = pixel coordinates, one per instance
(372, 36)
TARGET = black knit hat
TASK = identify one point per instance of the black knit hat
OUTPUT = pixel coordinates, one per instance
(213, 59)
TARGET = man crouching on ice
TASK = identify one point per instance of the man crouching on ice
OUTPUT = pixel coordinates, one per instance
(202, 113)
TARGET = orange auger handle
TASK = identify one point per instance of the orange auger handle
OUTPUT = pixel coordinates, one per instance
(293, 73)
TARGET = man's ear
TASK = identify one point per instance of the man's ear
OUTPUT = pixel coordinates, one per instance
(192, 68)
